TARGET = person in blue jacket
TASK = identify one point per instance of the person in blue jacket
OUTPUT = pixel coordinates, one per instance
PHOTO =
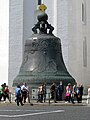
(18, 95)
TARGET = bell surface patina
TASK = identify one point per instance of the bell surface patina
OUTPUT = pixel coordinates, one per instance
(43, 61)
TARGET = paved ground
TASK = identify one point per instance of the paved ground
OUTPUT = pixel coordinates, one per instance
(44, 112)
(49, 103)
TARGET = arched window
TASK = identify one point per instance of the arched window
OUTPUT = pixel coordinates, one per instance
(39, 2)
(83, 12)
(85, 52)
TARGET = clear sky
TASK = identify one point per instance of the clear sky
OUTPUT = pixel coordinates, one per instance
(4, 40)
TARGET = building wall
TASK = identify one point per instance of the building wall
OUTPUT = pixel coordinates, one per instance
(21, 21)
(74, 29)
(62, 27)
(88, 41)
(4, 40)
(29, 8)
(79, 30)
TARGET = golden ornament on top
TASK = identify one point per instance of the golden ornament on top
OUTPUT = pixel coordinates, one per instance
(42, 7)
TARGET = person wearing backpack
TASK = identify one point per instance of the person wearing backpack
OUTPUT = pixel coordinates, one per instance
(18, 95)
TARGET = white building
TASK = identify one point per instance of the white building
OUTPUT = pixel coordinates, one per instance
(71, 20)
(21, 18)
(79, 40)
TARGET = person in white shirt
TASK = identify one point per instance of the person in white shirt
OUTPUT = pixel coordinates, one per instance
(24, 91)
(88, 96)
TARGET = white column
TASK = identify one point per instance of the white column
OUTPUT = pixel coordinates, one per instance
(4, 40)
(42, 1)
(55, 17)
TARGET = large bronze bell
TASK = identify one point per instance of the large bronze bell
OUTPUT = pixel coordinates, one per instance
(43, 61)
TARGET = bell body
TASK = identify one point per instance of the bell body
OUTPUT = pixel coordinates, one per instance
(43, 62)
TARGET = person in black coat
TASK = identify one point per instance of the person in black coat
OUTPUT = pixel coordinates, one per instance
(80, 93)
(60, 90)
(53, 92)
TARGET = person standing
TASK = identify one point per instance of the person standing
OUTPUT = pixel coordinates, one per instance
(6, 93)
(18, 95)
(81, 89)
(75, 92)
(53, 92)
(44, 92)
(88, 96)
(1, 92)
(40, 94)
(60, 90)
(80, 93)
(68, 96)
(24, 91)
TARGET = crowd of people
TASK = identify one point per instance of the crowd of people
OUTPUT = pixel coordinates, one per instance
(74, 92)
(21, 94)
(57, 93)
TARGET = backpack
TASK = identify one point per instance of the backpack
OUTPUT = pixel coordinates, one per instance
(18, 91)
